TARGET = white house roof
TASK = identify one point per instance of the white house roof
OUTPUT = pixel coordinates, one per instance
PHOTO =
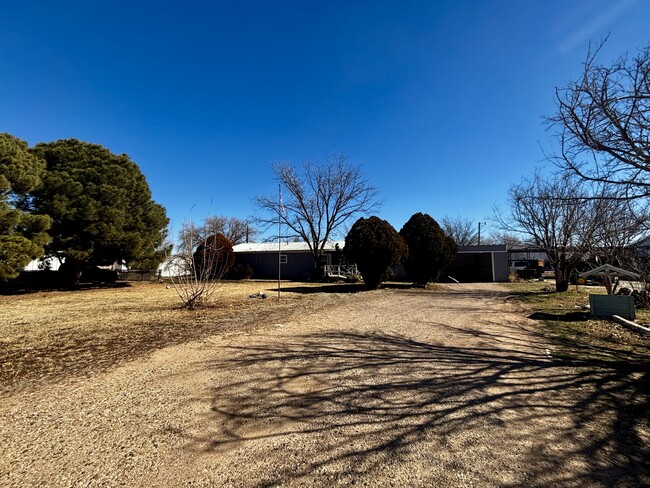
(286, 246)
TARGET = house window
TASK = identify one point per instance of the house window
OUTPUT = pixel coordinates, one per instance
(283, 259)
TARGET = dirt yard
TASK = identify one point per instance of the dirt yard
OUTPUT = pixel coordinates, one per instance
(449, 387)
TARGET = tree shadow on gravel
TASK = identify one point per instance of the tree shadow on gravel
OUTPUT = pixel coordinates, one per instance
(340, 288)
(327, 288)
(561, 317)
(365, 403)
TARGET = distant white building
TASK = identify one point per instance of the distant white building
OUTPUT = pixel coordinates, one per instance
(40, 264)
(172, 266)
(53, 264)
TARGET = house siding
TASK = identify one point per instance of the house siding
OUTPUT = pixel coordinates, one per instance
(263, 259)
(299, 265)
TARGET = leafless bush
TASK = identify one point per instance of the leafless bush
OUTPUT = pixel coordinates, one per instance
(197, 268)
(513, 278)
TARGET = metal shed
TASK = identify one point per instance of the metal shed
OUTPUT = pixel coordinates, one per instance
(480, 263)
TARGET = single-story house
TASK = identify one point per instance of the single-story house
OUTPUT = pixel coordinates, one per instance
(473, 263)
(295, 258)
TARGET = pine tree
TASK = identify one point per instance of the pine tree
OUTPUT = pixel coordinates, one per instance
(22, 234)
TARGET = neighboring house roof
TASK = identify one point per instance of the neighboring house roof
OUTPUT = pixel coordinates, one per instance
(286, 247)
(530, 249)
(485, 248)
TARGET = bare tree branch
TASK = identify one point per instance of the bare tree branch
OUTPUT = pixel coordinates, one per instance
(573, 221)
(553, 215)
(620, 223)
(318, 199)
(461, 229)
(510, 239)
(197, 267)
(236, 230)
(604, 124)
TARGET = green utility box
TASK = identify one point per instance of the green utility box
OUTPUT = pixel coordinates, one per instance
(608, 305)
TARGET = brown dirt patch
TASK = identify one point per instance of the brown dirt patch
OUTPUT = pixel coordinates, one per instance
(50, 335)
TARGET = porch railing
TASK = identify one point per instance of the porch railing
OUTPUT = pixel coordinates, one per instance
(340, 270)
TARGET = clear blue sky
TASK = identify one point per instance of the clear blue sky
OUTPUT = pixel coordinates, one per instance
(440, 102)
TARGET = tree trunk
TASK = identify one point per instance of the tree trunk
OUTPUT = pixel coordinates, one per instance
(70, 273)
(317, 274)
(561, 286)
(561, 279)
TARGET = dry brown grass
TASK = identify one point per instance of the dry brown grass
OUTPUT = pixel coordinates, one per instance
(52, 334)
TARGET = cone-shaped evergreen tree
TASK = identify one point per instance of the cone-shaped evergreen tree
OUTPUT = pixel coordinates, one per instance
(430, 249)
(374, 245)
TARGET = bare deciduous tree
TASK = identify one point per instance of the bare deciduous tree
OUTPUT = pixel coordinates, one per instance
(618, 224)
(318, 198)
(461, 230)
(510, 239)
(604, 123)
(574, 221)
(553, 214)
(234, 229)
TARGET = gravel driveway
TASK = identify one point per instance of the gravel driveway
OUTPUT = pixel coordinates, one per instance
(442, 388)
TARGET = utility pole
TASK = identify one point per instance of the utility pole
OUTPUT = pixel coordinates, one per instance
(479, 232)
